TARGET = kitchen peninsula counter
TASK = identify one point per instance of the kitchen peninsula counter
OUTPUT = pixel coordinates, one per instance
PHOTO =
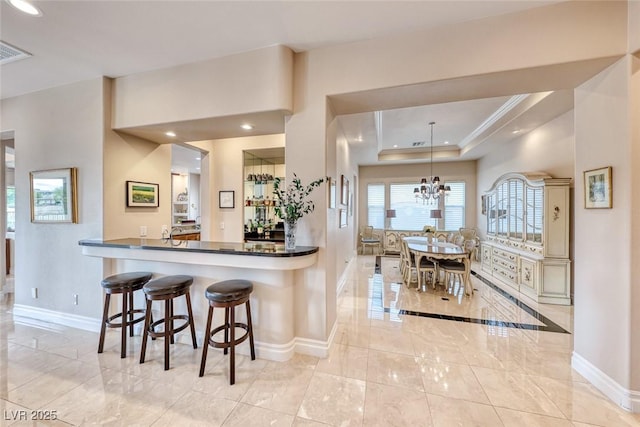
(274, 271)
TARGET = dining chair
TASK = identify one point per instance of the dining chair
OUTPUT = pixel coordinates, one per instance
(408, 263)
(460, 271)
(368, 237)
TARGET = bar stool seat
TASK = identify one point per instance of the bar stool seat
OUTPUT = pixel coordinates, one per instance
(125, 284)
(228, 294)
(167, 289)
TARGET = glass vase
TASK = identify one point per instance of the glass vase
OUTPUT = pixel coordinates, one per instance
(290, 235)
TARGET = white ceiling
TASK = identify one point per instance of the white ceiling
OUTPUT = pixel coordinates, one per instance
(80, 40)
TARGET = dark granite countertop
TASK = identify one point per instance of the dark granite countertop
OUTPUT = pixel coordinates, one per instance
(260, 249)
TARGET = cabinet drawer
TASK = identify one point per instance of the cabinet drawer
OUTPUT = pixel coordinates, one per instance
(511, 277)
(508, 256)
(507, 265)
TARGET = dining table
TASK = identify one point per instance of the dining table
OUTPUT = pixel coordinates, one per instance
(432, 249)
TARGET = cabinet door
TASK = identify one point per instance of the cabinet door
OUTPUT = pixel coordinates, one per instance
(528, 276)
(502, 201)
(516, 209)
(535, 206)
(491, 213)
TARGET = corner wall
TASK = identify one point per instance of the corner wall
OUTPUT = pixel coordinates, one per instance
(58, 128)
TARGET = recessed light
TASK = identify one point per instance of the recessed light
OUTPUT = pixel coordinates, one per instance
(395, 145)
(446, 142)
(197, 158)
(516, 131)
(246, 126)
(170, 133)
(25, 7)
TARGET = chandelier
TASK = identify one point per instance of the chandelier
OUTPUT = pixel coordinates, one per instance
(430, 189)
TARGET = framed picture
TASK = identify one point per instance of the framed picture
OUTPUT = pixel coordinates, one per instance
(597, 188)
(227, 199)
(343, 218)
(332, 193)
(54, 195)
(142, 195)
(344, 185)
(350, 204)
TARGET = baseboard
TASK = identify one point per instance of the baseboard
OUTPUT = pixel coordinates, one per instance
(625, 398)
(29, 314)
(345, 274)
(36, 317)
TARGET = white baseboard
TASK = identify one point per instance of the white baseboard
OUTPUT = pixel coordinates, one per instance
(625, 398)
(36, 316)
(29, 314)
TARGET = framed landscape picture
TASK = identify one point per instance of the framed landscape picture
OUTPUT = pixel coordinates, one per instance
(142, 195)
(54, 195)
(597, 188)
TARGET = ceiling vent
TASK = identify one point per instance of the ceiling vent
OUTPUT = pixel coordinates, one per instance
(10, 53)
(417, 144)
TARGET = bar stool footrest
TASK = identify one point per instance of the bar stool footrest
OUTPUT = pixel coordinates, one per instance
(224, 344)
(110, 324)
(175, 330)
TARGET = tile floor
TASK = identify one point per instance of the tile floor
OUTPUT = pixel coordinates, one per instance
(399, 358)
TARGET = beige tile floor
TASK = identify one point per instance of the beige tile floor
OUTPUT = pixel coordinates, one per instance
(385, 368)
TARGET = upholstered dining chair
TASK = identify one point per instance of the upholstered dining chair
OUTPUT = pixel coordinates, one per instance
(368, 237)
(460, 271)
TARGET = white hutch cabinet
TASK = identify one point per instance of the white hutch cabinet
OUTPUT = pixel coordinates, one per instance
(527, 242)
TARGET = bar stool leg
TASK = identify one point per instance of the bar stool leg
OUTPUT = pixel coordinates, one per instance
(130, 313)
(171, 319)
(145, 333)
(205, 345)
(191, 325)
(226, 328)
(232, 357)
(105, 317)
(250, 326)
(123, 324)
(168, 334)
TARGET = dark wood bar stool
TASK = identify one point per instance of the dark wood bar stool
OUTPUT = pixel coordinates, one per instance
(125, 284)
(228, 294)
(166, 289)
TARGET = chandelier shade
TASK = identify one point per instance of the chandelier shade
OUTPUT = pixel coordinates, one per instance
(430, 189)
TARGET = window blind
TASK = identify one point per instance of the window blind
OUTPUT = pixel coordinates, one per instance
(410, 215)
(454, 206)
(375, 205)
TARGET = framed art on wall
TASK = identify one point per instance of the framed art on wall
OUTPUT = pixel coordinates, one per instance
(332, 193)
(226, 199)
(142, 194)
(344, 185)
(343, 218)
(598, 190)
(54, 195)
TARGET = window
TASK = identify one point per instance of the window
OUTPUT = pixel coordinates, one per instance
(375, 205)
(410, 215)
(454, 206)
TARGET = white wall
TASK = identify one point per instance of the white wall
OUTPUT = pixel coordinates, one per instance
(59, 128)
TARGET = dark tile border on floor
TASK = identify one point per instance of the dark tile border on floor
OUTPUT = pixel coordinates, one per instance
(547, 324)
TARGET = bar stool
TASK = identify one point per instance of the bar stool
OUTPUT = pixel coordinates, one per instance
(166, 289)
(125, 284)
(228, 294)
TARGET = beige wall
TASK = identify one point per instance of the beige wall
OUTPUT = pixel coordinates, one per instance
(549, 148)
(603, 310)
(225, 163)
(448, 171)
(239, 84)
(128, 158)
(58, 128)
